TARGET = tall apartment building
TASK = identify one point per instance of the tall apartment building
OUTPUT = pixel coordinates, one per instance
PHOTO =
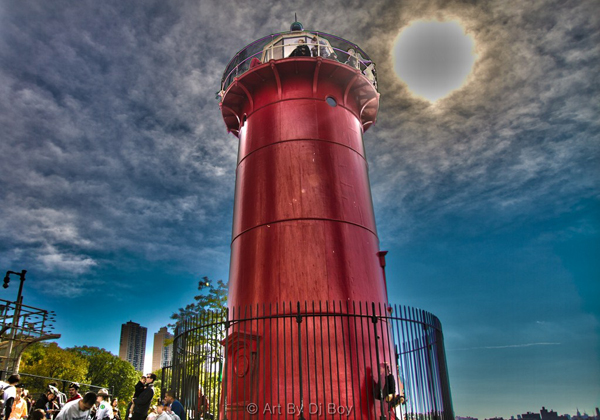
(133, 344)
(161, 354)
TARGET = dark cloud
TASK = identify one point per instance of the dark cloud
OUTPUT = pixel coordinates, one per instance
(519, 131)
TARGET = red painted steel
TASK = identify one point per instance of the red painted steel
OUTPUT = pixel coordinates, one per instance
(303, 226)
(303, 222)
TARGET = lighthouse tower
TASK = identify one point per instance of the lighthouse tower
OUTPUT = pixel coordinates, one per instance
(303, 225)
(307, 334)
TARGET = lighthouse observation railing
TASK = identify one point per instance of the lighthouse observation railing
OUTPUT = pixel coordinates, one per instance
(281, 45)
(312, 361)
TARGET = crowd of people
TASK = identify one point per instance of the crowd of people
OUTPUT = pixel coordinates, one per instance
(17, 403)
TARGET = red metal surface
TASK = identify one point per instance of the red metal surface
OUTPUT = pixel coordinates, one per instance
(303, 225)
(303, 222)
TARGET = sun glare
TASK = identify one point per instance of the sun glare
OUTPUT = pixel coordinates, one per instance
(433, 58)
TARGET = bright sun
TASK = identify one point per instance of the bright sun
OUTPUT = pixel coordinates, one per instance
(433, 58)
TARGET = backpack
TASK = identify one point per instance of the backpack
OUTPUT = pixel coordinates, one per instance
(3, 387)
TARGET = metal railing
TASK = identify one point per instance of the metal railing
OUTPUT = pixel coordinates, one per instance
(37, 384)
(327, 46)
(312, 361)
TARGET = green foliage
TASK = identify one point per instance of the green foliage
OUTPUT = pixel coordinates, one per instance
(107, 370)
(49, 360)
(212, 298)
(208, 307)
(90, 365)
(157, 386)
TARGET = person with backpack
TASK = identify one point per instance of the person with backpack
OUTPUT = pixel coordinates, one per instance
(10, 392)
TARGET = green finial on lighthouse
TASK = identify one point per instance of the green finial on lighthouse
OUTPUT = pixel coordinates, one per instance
(296, 26)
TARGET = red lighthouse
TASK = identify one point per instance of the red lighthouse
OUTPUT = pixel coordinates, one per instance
(303, 224)
(309, 332)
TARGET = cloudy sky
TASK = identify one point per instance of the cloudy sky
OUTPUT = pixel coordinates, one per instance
(116, 188)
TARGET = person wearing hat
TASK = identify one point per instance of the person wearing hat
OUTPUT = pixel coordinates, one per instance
(104, 410)
(28, 400)
(74, 392)
(61, 398)
(19, 406)
(49, 402)
(141, 403)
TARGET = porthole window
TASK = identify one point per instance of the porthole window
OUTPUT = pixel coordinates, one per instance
(331, 101)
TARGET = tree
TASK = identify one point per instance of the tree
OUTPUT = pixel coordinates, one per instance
(91, 365)
(203, 319)
(109, 371)
(157, 386)
(212, 298)
(49, 360)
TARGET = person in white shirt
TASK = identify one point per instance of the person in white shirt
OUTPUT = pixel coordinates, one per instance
(161, 413)
(104, 410)
(152, 415)
(170, 413)
(10, 393)
(78, 409)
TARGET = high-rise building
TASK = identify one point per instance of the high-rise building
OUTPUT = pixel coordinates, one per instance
(132, 346)
(161, 354)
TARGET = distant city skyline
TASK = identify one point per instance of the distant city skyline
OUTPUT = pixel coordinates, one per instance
(543, 414)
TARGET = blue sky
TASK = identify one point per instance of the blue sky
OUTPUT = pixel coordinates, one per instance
(116, 187)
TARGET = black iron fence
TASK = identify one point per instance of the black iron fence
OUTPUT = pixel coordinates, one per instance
(311, 361)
